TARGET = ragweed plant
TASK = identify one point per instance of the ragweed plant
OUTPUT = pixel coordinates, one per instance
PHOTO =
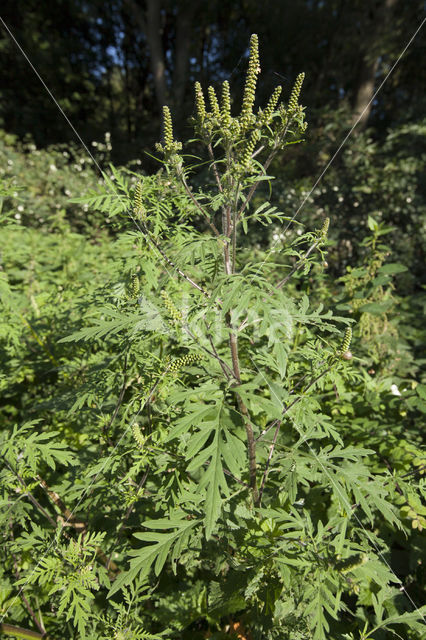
(203, 375)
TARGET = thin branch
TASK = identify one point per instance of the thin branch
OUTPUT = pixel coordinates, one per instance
(295, 401)
(215, 171)
(38, 624)
(251, 443)
(199, 207)
(234, 228)
(60, 504)
(143, 229)
(265, 167)
(29, 494)
(127, 514)
(70, 519)
(213, 353)
(298, 264)
(223, 364)
(19, 632)
(256, 184)
(106, 428)
(268, 462)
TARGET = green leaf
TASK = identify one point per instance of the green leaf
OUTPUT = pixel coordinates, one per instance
(392, 268)
(376, 308)
(154, 554)
(372, 224)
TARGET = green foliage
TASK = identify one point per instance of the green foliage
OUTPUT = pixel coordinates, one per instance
(45, 180)
(189, 446)
(379, 178)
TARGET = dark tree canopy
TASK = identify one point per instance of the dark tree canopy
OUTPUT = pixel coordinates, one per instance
(112, 65)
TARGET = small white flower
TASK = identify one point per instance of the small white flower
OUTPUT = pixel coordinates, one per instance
(408, 199)
(17, 216)
(67, 192)
(395, 391)
(335, 188)
(20, 208)
(53, 167)
(356, 204)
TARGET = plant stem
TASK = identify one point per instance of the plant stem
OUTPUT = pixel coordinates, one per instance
(143, 229)
(199, 207)
(298, 264)
(295, 401)
(268, 462)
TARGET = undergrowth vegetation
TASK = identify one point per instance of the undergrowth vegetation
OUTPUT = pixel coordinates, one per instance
(204, 436)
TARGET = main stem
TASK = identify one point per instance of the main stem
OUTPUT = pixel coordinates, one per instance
(229, 265)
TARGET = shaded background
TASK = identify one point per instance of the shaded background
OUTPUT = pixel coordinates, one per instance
(111, 65)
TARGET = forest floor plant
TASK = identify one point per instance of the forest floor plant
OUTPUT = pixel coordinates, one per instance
(207, 457)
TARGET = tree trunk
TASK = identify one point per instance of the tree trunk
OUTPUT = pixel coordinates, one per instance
(153, 36)
(182, 50)
(379, 18)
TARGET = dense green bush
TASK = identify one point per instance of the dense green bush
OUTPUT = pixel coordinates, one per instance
(191, 446)
(381, 176)
(46, 181)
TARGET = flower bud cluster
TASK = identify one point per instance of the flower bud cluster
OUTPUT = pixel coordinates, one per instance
(138, 208)
(293, 103)
(214, 102)
(134, 285)
(324, 229)
(249, 148)
(170, 147)
(137, 198)
(138, 436)
(225, 111)
(246, 129)
(247, 117)
(346, 342)
(175, 314)
(184, 361)
(265, 116)
(199, 103)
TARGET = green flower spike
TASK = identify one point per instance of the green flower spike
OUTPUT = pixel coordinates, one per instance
(138, 436)
(225, 111)
(134, 286)
(346, 342)
(295, 93)
(214, 102)
(199, 103)
(266, 115)
(179, 363)
(250, 86)
(137, 199)
(174, 313)
(168, 129)
(169, 147)
(324, 229)
(249, 148)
